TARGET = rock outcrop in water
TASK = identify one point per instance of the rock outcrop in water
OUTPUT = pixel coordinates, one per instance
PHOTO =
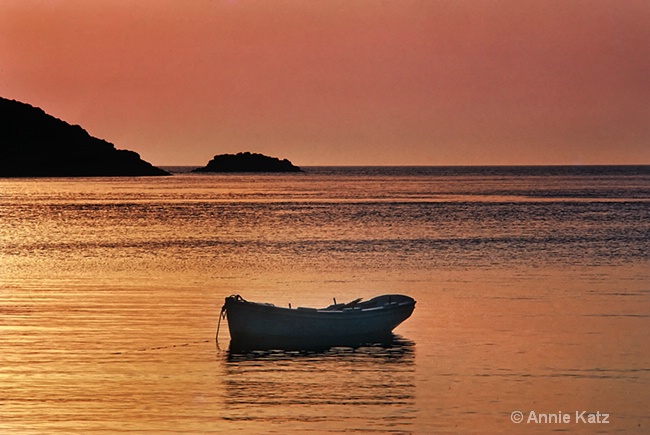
(35, 144)
(248, 162)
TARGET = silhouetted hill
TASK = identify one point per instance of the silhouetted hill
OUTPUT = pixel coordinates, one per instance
(247, 162)
(35, 144)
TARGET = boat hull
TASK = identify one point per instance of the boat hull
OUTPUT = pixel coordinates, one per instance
(263, 326)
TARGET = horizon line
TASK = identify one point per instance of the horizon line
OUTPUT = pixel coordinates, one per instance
(563, 165)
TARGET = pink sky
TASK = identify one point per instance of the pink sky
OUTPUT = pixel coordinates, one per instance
(381, 82)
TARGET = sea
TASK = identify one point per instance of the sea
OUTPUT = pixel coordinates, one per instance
(532, 288)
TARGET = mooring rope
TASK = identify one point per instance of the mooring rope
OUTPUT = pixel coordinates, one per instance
(222, 315)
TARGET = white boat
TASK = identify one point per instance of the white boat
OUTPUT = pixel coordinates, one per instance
(255, 325)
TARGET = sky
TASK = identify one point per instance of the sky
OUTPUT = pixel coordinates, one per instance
(341, 82)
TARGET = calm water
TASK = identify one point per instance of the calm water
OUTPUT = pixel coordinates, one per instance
(533, 290)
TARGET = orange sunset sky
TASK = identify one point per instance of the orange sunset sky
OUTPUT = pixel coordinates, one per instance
(350, 82)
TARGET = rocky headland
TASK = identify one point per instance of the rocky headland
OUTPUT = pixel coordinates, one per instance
(35, 144)
(248, 162)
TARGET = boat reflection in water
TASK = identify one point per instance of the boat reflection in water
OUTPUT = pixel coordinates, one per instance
(393, 348)
(297, 388)
(260, 326)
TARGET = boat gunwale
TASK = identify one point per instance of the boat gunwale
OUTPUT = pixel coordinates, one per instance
(353, 311)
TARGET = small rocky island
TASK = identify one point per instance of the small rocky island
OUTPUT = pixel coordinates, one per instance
(35, 144)
(248, 162)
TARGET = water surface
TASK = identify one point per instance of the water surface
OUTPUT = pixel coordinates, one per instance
(533, 290)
